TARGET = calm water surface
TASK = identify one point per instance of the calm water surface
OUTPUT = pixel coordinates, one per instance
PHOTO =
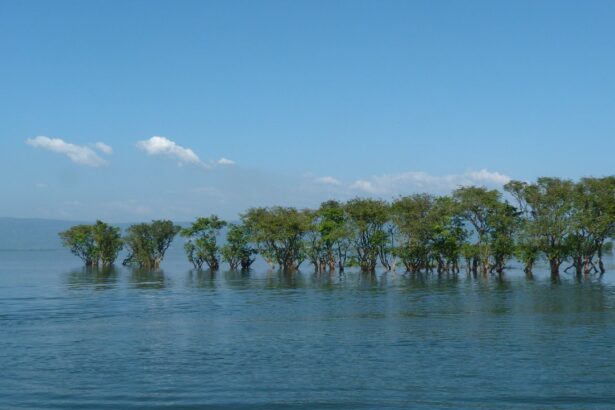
(71, 338)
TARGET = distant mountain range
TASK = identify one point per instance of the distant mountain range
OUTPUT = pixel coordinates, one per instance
(31, 234)
(39, 234)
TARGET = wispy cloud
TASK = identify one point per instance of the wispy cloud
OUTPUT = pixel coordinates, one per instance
(225, 161)
(81, 155)
(104, 148)
(328, 180)
(165, 147)
(130, 207)
(393, 184)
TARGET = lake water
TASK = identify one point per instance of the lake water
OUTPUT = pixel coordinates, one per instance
(70, 338)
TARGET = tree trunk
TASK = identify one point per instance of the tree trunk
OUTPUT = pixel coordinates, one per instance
(578, 265)
(554, 264)
(600, 263)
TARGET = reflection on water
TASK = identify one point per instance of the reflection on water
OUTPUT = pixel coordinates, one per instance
(237, 279)
(95, 277)
(148, 279)
(285, 280)
(202, 279)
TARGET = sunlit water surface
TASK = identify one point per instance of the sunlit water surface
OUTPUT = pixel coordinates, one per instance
(71, 338)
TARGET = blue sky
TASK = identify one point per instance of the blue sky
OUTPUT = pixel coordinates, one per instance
(309, 100)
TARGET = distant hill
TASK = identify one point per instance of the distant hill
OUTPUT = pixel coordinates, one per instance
(31, 234)
(42, 234)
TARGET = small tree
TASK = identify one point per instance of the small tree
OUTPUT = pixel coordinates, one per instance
(413, 216)
(202, 246)
(148, 243)
(279, 234)
(80, 241)
(335, 234)
(108, 241)
(448, 234)
(368, 219)
(594, 220)
(237, 251)
(547, 206)
(96, 245)
(493, 221)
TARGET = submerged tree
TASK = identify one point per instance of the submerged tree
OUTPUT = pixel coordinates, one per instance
(202, 246)
(108, 241)
(548, 208)
(413, 216)
(238, 251)
(96, 245)
(148, 243)
(593, 222)
(493, 221)
(80, 241)
(448, 234)
(278, 233)
(328, 239)
(371, 238)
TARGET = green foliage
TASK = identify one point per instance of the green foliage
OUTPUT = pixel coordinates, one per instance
(493, 221)
(371, 239)
(147, 243)
(328, 239)
(430, 231)
(97, 244)
(413, 217)
(548, 209)
(278, 233)
(238, 250)
(80, 241)
(448, 234)
(202, 246)
(554, 219)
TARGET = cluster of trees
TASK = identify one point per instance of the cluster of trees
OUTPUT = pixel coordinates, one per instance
(96, 245)
(476, 228)
(100, 244)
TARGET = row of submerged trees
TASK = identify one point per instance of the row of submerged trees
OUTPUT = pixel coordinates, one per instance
(474, 228)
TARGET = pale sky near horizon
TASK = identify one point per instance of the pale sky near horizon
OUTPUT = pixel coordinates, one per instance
(133, 110)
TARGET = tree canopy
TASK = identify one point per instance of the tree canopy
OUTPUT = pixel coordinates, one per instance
(147, 243)
(96, 245)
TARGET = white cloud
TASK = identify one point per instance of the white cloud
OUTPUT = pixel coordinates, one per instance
(78, 154)
(489, 177)
(164, 146)
(104, 148)
(225, 161)
(363, 185)
(423, 182)
(328, 180)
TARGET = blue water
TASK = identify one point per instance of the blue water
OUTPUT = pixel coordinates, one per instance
(72, 338)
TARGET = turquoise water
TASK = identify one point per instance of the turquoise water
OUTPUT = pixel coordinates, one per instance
(71, 338)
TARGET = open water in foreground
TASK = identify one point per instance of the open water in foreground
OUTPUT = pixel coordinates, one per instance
(70, 338)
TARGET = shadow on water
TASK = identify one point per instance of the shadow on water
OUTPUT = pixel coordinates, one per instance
(93, 277)
(148, 279)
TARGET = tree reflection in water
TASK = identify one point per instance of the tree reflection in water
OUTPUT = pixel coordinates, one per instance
(202, 279)
(98, 278)
(148, 279)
